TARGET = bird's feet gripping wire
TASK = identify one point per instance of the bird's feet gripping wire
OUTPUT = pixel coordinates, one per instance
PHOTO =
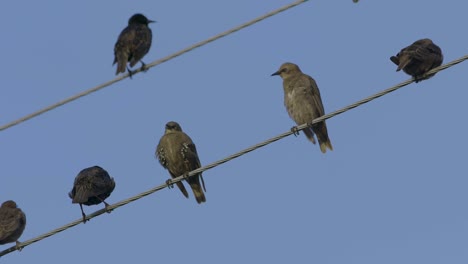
(169, 184)
(295, 131)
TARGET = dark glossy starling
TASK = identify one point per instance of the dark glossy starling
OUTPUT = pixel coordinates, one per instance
(92, 186)
(419, 58)
(12, 223)
(303, 102)
(133, 43)
(177, 153)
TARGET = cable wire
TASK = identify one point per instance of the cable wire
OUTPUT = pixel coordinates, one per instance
(150, 65)
(170, 182)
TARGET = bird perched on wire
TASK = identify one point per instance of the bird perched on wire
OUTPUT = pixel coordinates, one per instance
(303, 102)
(177, 153)
(419, 58)
(12, 223)
(133, 43)
(92, 186)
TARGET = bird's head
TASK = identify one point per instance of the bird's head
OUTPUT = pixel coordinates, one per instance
(139, 19)
(9, 204)
(172, 126)
(287, 69)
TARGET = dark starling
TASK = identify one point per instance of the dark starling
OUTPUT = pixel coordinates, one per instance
(92, 186)
(177, 153)
(12, 223)
(133, 43)
(419, 58)
(303, 102)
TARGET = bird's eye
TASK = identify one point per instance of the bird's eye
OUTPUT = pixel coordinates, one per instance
(284, 70)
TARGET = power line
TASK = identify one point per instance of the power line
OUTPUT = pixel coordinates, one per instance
(170, 182)
(150, 65)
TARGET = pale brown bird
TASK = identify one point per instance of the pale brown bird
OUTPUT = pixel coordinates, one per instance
(12, 223)
(303, 102)
(92, 186)
(177, 153)
(133, 43)
(419, 58)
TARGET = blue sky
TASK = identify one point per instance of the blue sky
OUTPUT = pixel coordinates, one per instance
(392, 191)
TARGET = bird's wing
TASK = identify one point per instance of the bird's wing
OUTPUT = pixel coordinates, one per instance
(315, 94)
(9, 222)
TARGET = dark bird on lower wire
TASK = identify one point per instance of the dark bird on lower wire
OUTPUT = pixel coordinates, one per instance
(133, 43)
(92, 186)
(419, 58)
(177, 153)
(303, 102)
(12, 223)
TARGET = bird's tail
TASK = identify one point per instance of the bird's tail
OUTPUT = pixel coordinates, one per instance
(197, 189)
(309, 134)
(322, 136)
(121, 60)
(182, 189)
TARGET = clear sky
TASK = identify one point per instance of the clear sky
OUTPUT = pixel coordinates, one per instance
(392, 191)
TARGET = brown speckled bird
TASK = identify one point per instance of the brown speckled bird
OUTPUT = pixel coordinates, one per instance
(92, 186)
(303, 102)
(12, 223)
(419, 58)
(177, 153)
(133, 43)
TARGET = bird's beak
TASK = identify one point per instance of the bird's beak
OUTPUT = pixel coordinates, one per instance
(276, 73)
(152, 21)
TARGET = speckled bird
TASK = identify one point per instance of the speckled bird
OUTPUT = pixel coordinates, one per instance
(133, 43)
(419, 58)
(92, 186)
(12, 223)
(177, 153)
(303, 102)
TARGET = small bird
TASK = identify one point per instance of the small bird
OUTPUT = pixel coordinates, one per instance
(419, 58)
(92, 186)
(177, 153)
(303, 102)
(133, 43)
(12, 223)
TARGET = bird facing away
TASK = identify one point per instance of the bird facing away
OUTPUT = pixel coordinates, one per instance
(133, 43)
(419, 58)
(177, 153)
(303, 102)
(12, 223)
(92, 186)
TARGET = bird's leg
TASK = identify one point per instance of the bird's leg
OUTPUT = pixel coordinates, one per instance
(83, 214)
(18, 247)
(130, 73)
(186, 176)
(295, 131)
(169, 183)
(143, 66)
(106, 205)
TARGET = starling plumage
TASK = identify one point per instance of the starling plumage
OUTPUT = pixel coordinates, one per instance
(133, 43)
(419, 58)
(177, 153)
(92, 186)
(303, 102)
(12, 223)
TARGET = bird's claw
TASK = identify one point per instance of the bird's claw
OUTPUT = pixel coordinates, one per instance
(170, 184)
(130, 73)
(143, 67)
(18, 247)
(106, 206)
(186, 176)
(295, 131)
